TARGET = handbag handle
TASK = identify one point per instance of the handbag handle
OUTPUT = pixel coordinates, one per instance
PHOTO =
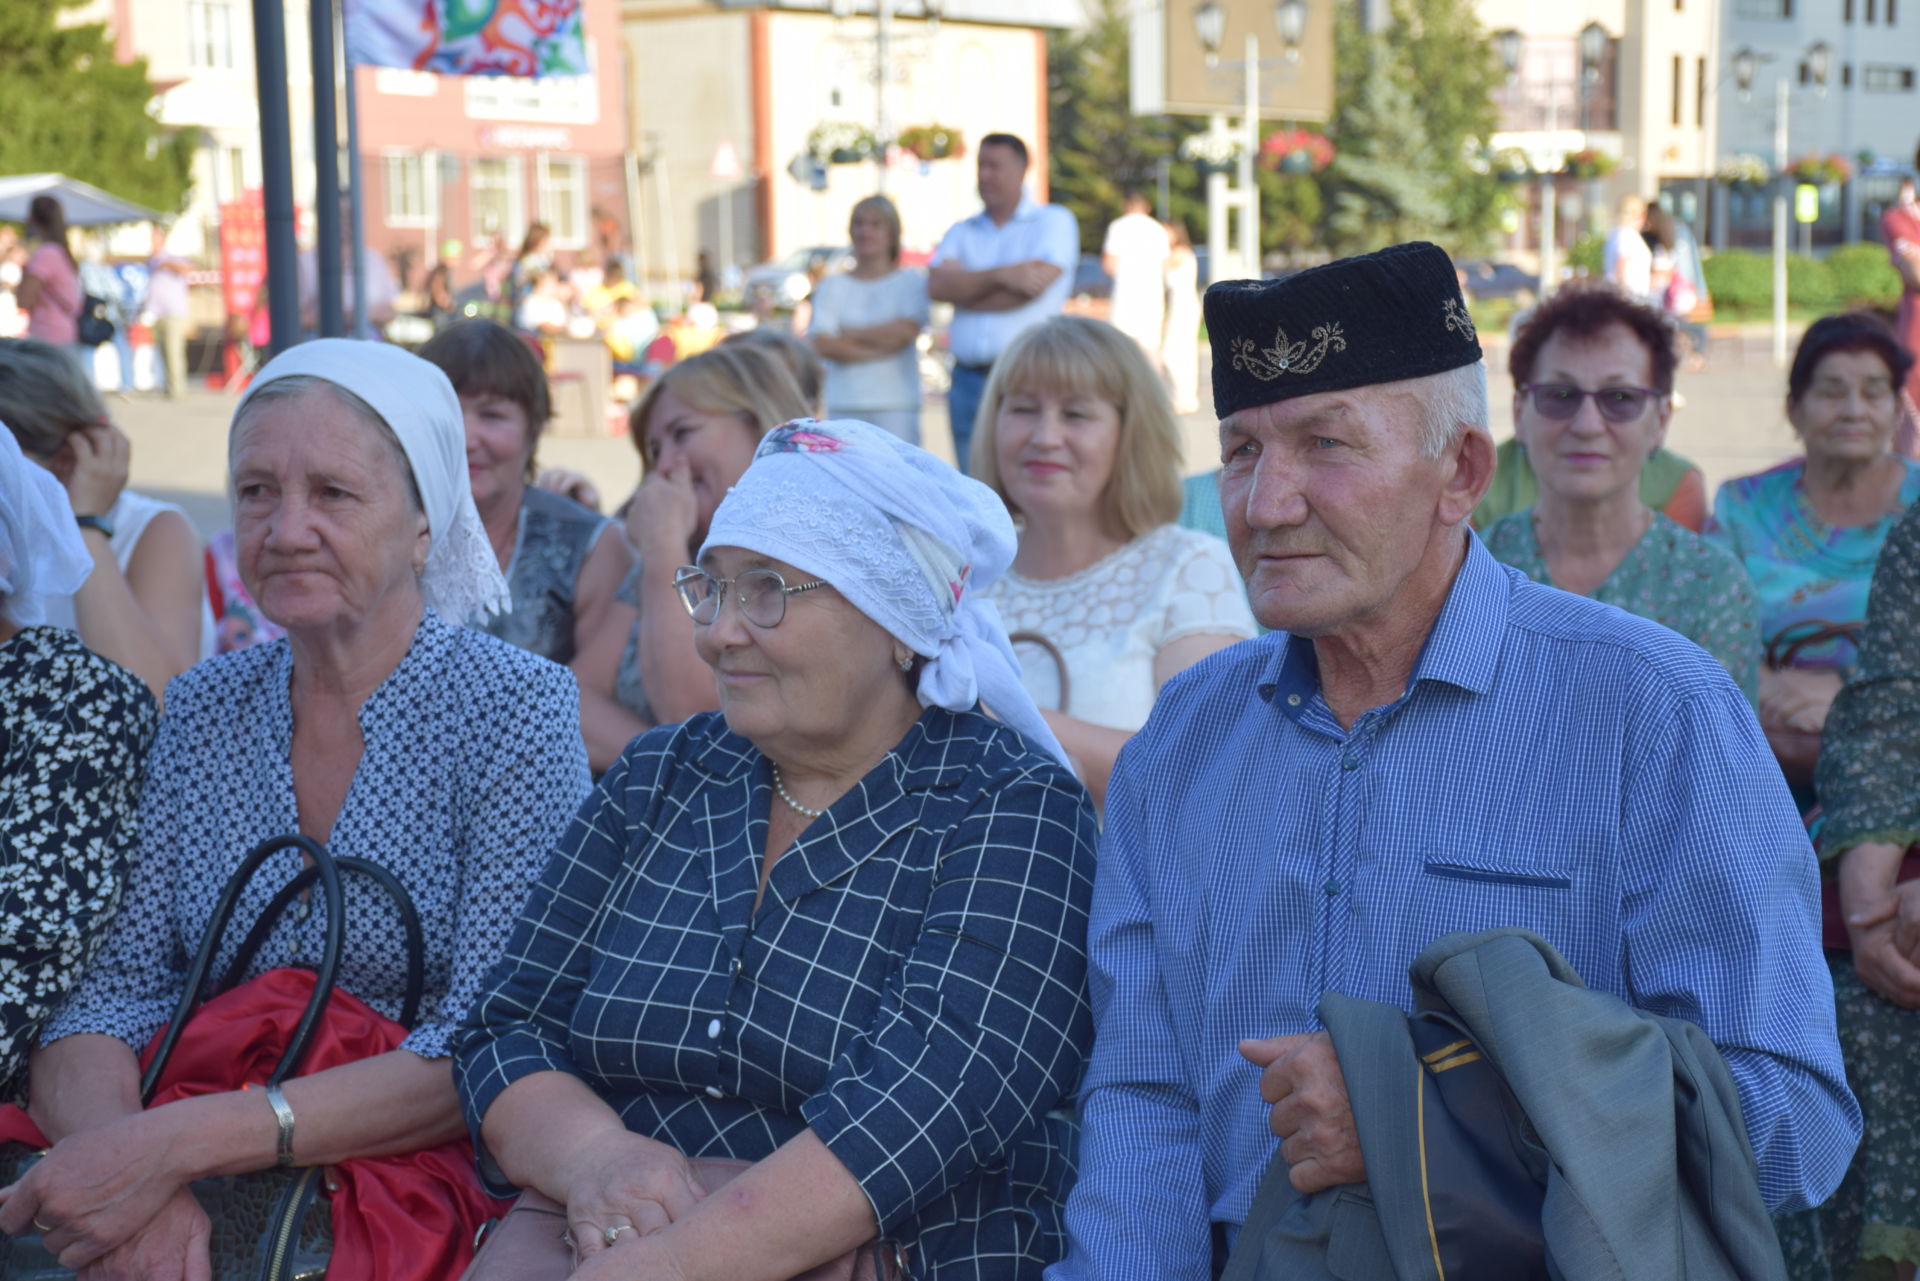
(402, 902)
(1781, 651)
(1052, 651)
(297, 1044)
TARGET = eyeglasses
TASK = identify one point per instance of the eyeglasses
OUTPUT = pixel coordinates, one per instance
(762, 594)
(1561, 401)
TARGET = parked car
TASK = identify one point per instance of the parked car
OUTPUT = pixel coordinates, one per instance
(785, 281)
(1484, 278)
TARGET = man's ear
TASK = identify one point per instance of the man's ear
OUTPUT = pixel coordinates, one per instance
(1470, 462)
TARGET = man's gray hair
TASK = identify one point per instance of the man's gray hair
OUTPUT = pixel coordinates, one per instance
(1450, 402)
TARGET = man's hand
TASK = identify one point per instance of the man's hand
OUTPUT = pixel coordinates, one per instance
(1302, 1080)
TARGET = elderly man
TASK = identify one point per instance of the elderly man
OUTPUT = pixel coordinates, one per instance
(1428, 743)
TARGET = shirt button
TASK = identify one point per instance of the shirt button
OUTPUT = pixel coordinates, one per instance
(1349, 762)
(713, 1030)
(1293, 700)
(736, 965)
(1332, 888)
(716, 1092)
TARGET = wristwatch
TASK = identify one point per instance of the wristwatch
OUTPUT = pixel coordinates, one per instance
(100, 523)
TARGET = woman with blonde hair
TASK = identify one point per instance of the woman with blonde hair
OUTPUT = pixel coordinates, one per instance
(696, 429)
(1077, 438)
(865, 324)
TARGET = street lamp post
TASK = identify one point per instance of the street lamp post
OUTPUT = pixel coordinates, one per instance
(1592, 43)
(1209, 24)
(1746, 63)
(1511, 43)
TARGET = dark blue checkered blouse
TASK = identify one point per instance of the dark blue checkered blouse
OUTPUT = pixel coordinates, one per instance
(913, 986)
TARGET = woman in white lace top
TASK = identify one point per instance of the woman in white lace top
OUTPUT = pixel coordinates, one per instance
(1078, 438)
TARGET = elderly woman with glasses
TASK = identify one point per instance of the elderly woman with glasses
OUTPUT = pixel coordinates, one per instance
(1593, 385)
(834, 932)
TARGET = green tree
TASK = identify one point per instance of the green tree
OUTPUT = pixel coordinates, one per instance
(1098, 150)
(1413, 110)
(70, 108)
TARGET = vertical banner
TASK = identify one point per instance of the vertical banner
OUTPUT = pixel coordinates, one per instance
(469, 37)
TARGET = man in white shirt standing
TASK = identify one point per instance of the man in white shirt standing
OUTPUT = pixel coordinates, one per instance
(1135, 257)
(1007, 267)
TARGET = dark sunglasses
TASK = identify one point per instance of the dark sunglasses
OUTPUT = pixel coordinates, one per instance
(1561, 401)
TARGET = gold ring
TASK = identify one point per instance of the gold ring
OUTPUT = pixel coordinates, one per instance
(44, 1227)
(613, 1234)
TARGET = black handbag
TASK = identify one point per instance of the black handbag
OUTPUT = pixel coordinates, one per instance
(91, 325)
(268, 1225)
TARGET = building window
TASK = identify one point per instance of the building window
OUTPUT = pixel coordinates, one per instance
(1679, 84)
(1846, 75)
(1869, 13)
(1889, 13)
(234, 172)
(210, 34)
(406, 187)
(1763, 8)
(556, 100)
(1846, 10)
(494, 192)
(562, 182)
(1885, 79)
(1700, 93)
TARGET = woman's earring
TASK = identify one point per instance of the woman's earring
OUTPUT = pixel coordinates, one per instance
(906, 663)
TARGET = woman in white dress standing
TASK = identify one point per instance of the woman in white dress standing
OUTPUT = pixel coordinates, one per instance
(1078, 439)
(1180, 348)
(866, 323)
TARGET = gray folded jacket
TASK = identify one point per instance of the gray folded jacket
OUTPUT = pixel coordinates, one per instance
(1521, 1125)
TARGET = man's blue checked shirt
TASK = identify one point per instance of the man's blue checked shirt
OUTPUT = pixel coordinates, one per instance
(1554, 764)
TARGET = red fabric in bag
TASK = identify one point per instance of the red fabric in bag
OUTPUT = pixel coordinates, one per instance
(409, 1217)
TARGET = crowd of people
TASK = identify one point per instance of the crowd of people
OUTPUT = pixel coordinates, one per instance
(1039, 866)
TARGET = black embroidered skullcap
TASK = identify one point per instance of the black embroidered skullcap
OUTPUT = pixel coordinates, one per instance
(1377, 318)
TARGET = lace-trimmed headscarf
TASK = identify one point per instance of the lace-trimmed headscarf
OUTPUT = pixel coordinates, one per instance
(905, 538)
(41, 553)
(462, 579)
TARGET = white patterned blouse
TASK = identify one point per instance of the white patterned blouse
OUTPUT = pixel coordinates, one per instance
(472, 766)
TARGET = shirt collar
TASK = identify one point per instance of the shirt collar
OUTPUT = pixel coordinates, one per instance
(1462, 649)
(1027, 209)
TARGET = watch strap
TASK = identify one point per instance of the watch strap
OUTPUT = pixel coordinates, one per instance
(100, 523)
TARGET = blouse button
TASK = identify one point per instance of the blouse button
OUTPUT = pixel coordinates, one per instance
(716, 1092)
(1293, 700)
(736, 965)
(713, 1030)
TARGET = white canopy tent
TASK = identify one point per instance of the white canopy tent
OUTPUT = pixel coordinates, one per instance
(84, 205)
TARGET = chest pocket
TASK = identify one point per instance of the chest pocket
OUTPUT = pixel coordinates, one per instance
(1451, 867)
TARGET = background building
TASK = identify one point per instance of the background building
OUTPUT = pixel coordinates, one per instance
(725, 96)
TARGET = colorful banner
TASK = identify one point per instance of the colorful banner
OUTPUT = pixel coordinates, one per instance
(469, 37)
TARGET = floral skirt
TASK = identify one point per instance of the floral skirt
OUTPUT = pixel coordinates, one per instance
(1873, 1221)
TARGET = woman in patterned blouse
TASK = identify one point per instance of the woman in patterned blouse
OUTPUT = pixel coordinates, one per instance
(379, 726)
(74, 732)
(1593, 387)
(836, 930)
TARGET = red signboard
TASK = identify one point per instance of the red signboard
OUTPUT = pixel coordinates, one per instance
(243, 253)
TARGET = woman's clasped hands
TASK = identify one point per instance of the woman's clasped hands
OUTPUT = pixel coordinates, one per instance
(624, 1187)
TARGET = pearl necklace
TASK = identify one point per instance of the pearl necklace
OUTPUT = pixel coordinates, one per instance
(787, 796)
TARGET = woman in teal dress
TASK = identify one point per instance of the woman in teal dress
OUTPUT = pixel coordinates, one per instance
(1809, 531)
(1870, 1227)
(1593, 381)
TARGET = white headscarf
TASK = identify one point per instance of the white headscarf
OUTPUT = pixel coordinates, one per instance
(904, 537)
(463, 578)
(41, 552)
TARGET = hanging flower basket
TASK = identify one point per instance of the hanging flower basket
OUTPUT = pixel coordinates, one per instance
(841, 142)
(1745, 172)
(1510, 164)
(932, 142)
(1296, 151)
(1821, 170)
(1211, 153)
(1588, 163)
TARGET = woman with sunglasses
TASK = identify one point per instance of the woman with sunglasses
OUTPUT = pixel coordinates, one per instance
(833, 933)
(1593, 385)
(1809, 531)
